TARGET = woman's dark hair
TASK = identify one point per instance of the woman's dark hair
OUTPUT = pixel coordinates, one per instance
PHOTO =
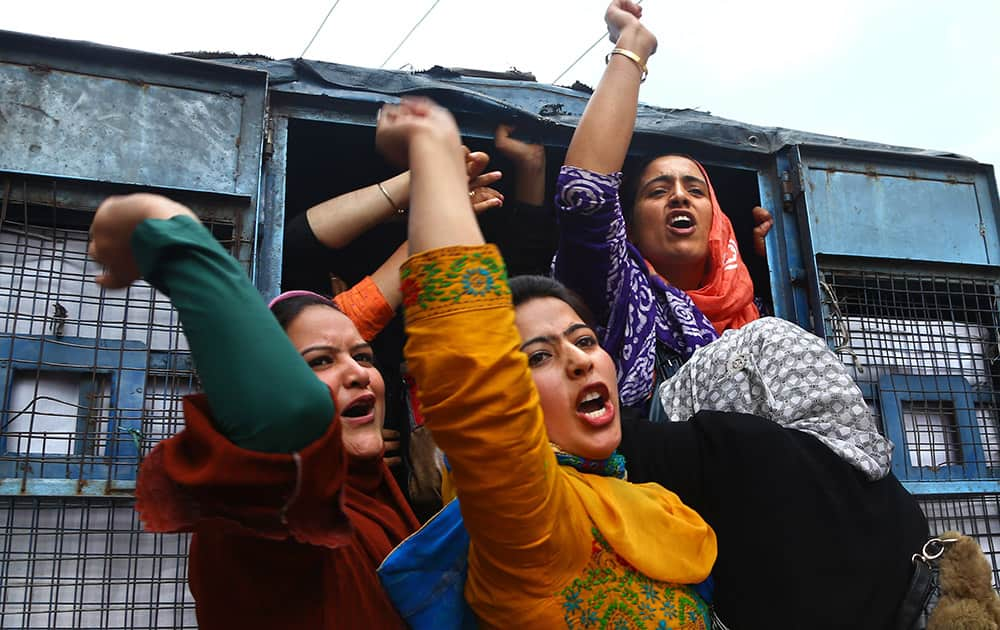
(526, 288)
(632, 179)
(285, 311)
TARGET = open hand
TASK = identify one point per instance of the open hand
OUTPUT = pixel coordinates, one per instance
(475, 165)
(481, 195)
(111, 234)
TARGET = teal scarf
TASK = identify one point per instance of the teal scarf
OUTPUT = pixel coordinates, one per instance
(613, 466)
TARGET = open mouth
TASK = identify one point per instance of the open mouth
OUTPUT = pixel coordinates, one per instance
(359, 408)
(680, 221)
(594, 405)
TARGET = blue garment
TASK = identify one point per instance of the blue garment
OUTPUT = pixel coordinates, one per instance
(425, 575)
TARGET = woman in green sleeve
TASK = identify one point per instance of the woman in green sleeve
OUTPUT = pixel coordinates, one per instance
(278, 471)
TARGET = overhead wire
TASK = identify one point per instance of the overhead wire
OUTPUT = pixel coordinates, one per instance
(407, 36)
(320, 28)
(583, 54)
(577, 60)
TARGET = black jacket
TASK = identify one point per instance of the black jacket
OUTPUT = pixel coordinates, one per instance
(805, 540)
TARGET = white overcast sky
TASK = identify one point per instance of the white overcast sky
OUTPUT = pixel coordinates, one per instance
(909, 72)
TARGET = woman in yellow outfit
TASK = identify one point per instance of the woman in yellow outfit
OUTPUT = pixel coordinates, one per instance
(528, 417)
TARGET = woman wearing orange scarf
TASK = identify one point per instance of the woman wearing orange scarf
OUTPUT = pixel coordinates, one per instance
(665, 277)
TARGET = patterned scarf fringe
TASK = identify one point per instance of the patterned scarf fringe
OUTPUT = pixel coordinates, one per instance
(613, 466)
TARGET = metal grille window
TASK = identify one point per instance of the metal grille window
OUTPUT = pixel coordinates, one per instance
(90, 381)
(922, 344)
(923, 347)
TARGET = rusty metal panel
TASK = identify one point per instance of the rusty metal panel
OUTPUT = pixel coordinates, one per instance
(881, 209)
(66, 124)
(72, 109)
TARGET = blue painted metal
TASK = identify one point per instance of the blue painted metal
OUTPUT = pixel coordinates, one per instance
(870, 393)
(123, 363)
(874, 207)
(809, 272)
(777, 254)
(989, 209)
(172, 122)
(971, 486)
(85, 186)
(330, 86)
(894, 389)
(67, 487)
(273, 221)
(790, 277)
(173, 362)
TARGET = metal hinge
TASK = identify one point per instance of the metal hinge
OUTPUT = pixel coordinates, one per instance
(791, 190)
(786, 189)
(268, 136)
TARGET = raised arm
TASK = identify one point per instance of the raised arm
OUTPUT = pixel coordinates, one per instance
(475, 388)
(605, 131)
(594, 257)
(371, 303)
(525, 231)
(338, 221)
(529, 165)
(423, 135)
(263, 395)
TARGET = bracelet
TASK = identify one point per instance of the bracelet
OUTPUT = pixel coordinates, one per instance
(392, 203)
(631, 55)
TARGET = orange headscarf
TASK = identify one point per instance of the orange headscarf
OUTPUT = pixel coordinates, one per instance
(726, 297)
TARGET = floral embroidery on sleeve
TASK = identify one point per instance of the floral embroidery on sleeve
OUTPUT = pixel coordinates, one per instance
(453, 279)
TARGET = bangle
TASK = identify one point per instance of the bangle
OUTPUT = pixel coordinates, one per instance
(631, 55)
(392, 203)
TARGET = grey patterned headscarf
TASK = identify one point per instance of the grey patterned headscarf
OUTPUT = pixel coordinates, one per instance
(774, 369)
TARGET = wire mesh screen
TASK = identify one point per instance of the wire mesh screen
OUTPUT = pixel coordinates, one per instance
(975, 515)
(922, 344)
(82, 563)
(91, 381)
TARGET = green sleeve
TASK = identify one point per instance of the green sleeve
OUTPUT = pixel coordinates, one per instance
(263, 395)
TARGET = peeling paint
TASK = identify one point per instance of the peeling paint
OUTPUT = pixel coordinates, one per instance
(552, 109)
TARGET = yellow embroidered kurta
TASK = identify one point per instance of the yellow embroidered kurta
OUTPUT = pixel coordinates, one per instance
(551, 547)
